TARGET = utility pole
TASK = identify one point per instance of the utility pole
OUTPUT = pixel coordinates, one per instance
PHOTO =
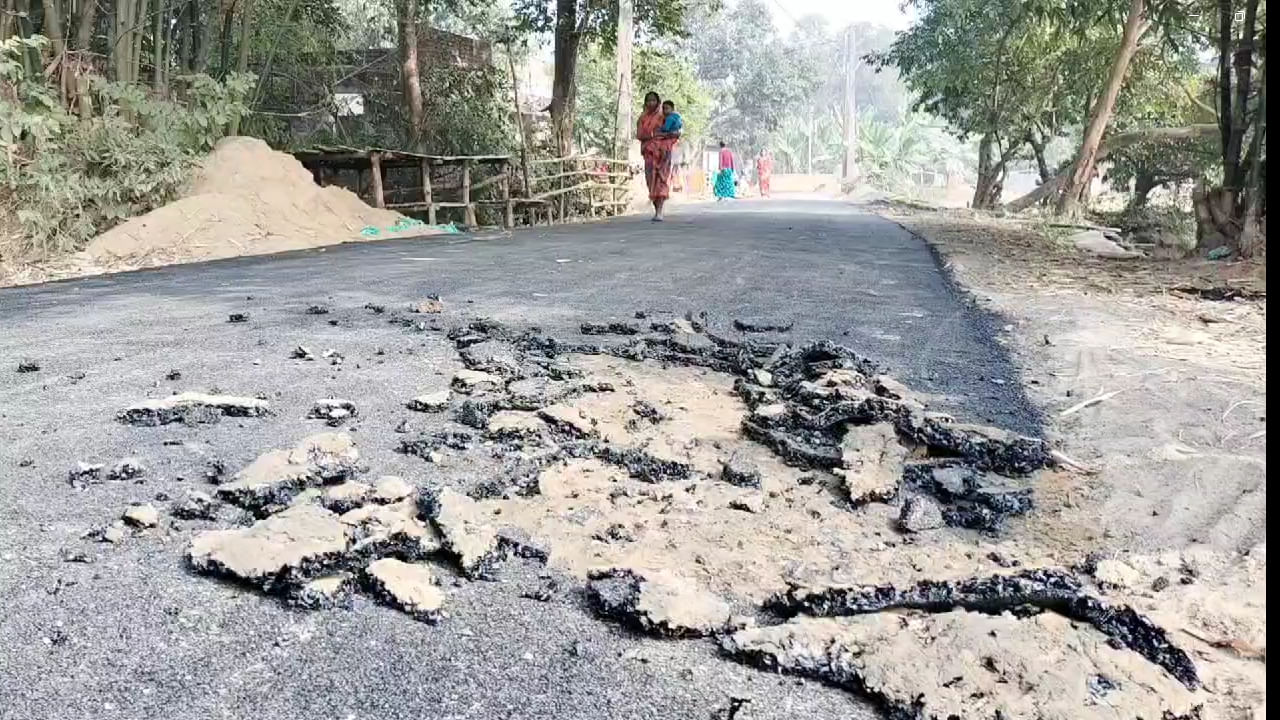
(808, 165)
(850, 166)
(622, 122)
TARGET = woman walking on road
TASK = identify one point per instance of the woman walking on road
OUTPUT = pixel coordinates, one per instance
(725, 177)
(656, 147)
(764, 171)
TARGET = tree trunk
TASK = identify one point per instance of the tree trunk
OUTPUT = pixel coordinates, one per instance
(121, 47)
(1143, 184)
(991, 171)
(1235, 172)
(524, 133)
(159, 48)
(1086, 159)
(8, 17)
(224, 46)
(407, 24)
(1037, 148)
(206, 23)
(138, 29)
(242, 60)
(53, 28)
(1112, 144)
(86, 24)
(1223, 213)
(622, 121)
(849, 166)
(564, 92)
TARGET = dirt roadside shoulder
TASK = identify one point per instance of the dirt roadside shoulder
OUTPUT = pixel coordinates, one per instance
(1173, 387)
(1162, 395)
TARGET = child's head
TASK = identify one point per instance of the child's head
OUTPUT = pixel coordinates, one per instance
(668, 107)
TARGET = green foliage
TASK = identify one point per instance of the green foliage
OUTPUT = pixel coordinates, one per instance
(669, 74)
(467, 111)
(66, 179)
(598, 21)
(999, 68)
(758, 80)
(1164, 95)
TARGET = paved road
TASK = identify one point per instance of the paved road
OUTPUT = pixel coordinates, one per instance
(133, 635)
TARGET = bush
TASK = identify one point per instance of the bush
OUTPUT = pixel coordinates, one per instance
(65, 179)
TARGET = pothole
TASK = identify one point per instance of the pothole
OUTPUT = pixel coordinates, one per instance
(703, 486)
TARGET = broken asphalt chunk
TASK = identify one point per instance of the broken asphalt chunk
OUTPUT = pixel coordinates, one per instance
(426, 447)
(143, 515)
(325, 592)
(276, 553)
(760, 325)
(192, 408)
(276, 476)
(431, 306)
(346, 496)
(431, 402)
(1047, 589)
(464, 528)
(741, 471)
(407, 587)
(392, 530)
(126, 469)
(84, 474)
(472, 380)
(333, 411)
(987, 448)
(609, 328)
(658, 603)
(871, 460)
(515, 424)
(918, 514)
(967, 665)
(390, 488)
(196, 505)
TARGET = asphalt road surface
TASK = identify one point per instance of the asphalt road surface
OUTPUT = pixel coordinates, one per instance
(132, 634)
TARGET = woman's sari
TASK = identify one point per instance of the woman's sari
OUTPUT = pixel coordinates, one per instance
(723, 189)
(764, 171)
(656, 153)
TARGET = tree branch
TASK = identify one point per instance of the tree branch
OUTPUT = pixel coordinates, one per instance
(1108, 146)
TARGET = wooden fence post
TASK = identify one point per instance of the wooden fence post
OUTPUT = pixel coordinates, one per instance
(426, 191)
(469, 210)
(375, 172)
(509, 214)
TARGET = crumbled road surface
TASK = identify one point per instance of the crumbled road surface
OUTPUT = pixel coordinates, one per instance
(135, 629)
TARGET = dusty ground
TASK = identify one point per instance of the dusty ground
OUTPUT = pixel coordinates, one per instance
(1178, 435)
(1180, 440)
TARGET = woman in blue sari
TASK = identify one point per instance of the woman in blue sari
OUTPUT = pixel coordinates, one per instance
(725, 180)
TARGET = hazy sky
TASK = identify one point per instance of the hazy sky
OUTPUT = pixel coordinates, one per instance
(839, 12)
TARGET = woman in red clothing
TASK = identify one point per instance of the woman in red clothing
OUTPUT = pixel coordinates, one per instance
(656, 148)
(764, 171)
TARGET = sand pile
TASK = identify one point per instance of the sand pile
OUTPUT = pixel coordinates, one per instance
(246, 199)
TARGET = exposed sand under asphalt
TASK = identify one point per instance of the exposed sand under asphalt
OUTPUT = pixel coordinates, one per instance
(711, 546)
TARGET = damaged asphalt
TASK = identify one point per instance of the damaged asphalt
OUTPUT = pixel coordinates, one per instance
(130, 634)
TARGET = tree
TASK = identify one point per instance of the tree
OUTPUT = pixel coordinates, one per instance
(575, 24)
(598, 94)
(1136, 24)
(1233, 213)
(758, 79)
(1007, 73)
(1163, 95)
(407, 24)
